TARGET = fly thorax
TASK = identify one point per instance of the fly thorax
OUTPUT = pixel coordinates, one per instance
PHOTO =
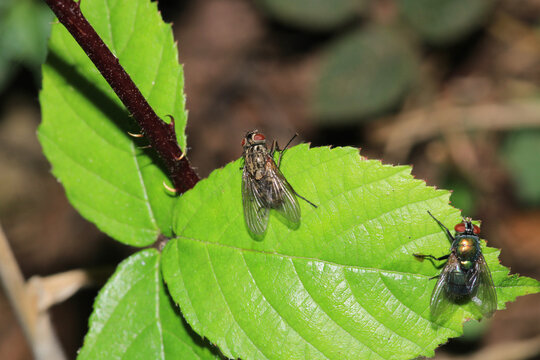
(259, 174)
(467, 250)
(467, 264)
(255, 160)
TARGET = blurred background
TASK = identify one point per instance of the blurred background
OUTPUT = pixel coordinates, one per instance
(451, 87)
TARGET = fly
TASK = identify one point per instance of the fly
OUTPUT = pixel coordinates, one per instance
(263, 185)
(466, 274)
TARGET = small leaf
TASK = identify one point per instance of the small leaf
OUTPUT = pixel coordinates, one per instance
(107, 177)
(520, 153)
(343, 285)
(463, 196)
(313, 14)
(23, 41)
(134, 317)
(364, 73)
(445, 21)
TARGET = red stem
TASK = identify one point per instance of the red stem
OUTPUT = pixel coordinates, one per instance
(161, 135)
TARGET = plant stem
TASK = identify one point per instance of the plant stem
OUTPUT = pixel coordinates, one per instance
(161, 135)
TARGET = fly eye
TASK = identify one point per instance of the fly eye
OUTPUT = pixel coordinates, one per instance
(460, 228)
(243, 142)
(258, 137)
(476, 229)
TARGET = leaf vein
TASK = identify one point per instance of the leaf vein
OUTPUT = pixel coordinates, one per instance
(382, 214)
(109, 25)
(380, 322)
(70, 105)
(143, 188)
(158, 67)
(134, 21)
(108, 322)
(330, 317)
(272, 306)
(98, 176)
(408, 308)
(227, 303)
(196, 320)
(173, 334)
(158, 313)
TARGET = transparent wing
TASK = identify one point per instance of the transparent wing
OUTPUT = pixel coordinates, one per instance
(485, 296)
(288, 206)
(255, 213)
(439, 299)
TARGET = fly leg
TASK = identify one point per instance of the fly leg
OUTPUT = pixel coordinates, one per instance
(303, 198)
(431, 258)
(444, 227)
(275, 147)
(420, 256)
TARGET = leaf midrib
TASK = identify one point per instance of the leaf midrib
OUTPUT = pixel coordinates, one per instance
(296, 257)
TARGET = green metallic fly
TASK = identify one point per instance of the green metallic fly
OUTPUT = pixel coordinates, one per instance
(466, 275)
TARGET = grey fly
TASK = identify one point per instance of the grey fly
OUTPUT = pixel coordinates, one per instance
(263, 185)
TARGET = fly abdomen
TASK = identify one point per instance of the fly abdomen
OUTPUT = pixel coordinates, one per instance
(458, 285)
(271, 196)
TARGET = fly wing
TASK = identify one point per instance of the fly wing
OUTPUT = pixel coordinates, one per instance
(288, 205)
(486, 296)
(255, 213)
(439, 297)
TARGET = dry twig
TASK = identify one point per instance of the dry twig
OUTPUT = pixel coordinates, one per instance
(424, 124)
(36, 324)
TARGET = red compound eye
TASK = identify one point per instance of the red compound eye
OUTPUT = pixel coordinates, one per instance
(476, 229)
(460, 228)
(243, 142)
(258, 137)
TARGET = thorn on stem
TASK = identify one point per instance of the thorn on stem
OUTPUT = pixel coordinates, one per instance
(135, 135)
(171, 189)
(171, 125)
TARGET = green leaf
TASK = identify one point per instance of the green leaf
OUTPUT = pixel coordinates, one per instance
(107, 177)
(313, 14)
(134, 317)
(344, 284)
(463, 195)
(364, 73)
(520, 152)
(23, 41)
(445, 21)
